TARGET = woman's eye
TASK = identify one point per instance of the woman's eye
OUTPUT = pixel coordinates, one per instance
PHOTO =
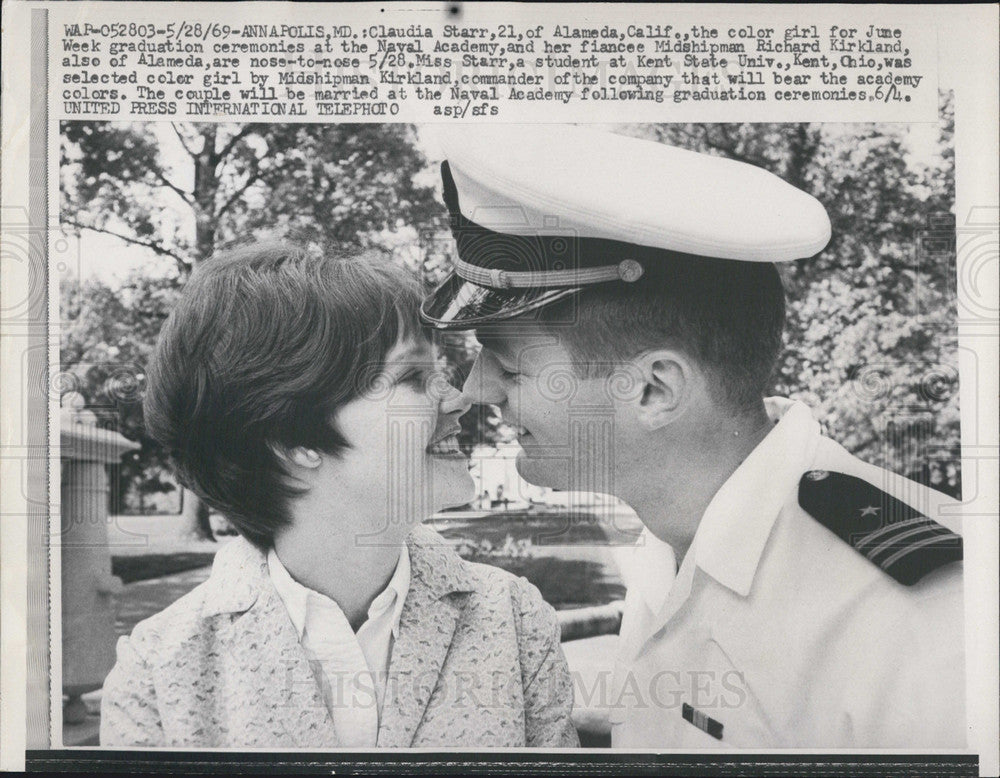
(510, 375)
(414, 377)
(425, 378)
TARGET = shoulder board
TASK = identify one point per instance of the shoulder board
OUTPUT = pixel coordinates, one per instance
(891, 534)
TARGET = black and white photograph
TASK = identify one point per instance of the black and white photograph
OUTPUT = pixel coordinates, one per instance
(499, 388)
(436, 437)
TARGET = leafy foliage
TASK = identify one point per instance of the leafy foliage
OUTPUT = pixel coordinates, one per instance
(106, 344)
(332, 184)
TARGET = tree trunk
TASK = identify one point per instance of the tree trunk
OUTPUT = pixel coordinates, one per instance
(194, 517)
(194, 512)
(206, 188)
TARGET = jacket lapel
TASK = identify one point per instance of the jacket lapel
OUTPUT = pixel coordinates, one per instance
(270, 685)
(272, 691)
(425, 633)
(427, 624)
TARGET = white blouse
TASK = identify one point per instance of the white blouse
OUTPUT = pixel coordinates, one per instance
(353, 667)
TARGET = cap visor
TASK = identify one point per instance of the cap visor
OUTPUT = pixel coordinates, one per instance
(461, 305)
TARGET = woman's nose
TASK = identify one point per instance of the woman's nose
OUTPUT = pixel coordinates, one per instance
(455, 401)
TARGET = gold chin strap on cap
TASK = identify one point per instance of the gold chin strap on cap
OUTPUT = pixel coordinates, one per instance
(628, 270)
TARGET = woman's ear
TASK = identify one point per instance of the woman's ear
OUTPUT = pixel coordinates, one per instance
(668, 379)
(300, 456)
(305, 457)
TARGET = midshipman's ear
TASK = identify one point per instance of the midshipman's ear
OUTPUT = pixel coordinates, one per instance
(668, 378)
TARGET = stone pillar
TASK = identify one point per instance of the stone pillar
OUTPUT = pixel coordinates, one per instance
(88, 587)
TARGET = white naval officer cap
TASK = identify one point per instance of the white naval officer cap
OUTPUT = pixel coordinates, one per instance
(540, 211)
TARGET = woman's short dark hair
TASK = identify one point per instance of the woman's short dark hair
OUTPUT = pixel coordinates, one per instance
(727, 315)
(266, 344)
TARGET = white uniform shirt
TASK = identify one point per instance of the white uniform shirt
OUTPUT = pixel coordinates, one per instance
(351, 668)
(775, 633)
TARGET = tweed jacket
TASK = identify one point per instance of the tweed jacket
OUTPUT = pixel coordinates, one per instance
(477, 663)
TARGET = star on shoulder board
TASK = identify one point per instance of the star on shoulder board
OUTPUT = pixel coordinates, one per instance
(889, 533)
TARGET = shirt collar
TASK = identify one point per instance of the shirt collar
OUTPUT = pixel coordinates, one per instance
(651, 571)
(298, 598)
(734, 529)
(394, 595)
(292, 593)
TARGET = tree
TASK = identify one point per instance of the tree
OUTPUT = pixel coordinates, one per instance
(206, 187)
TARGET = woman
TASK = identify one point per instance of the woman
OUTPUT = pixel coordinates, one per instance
(299, 397)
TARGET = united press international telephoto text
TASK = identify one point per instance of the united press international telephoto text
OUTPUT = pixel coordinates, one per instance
(211, 68)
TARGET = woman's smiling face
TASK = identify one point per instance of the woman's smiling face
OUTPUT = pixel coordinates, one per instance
(403, 461)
